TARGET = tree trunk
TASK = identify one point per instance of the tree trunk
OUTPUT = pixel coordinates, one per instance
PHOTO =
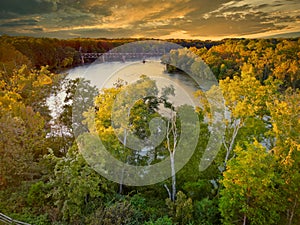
(292, 212)
(172, 130)
(245, 220)
(168, 190)
(173, 173)
(122, 172)
(235, 132)
(121, 182)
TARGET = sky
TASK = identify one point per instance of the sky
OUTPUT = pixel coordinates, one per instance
(163, 19)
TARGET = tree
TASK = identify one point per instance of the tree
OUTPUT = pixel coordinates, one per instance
(245, 98)
(122, 119)
(286, 65)
(22, 139)
(21, 145)
(285, 113)
(181, 209)
(207, 212)
(75, 188)
(11, 59)
(172, 141)
(250, 194)
(68, 116)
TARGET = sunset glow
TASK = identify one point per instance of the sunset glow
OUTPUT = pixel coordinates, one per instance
(192, 19)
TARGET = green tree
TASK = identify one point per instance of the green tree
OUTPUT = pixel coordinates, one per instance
(250, 195)
(122, 119)
(181, 210)
(206, 211)
(75, 188)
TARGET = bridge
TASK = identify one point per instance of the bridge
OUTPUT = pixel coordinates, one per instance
(120, 56)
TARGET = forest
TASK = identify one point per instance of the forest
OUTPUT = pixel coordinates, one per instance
(253, 180)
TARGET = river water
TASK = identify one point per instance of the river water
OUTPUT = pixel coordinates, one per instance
(104, 75)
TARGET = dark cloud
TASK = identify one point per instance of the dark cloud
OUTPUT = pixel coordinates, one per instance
(36, 29)
(7, 15)
(99, 10)
(25, 7)
(26, 22)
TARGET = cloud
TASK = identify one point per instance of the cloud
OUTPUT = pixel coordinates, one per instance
(28, 7)
(18, 23)
(148, 18)
(241, 18)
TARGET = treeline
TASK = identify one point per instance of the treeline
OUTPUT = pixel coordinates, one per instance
(56, 53)
(59, 54)
(277, 58)
(254, 179)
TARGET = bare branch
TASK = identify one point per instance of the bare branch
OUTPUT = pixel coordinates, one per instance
(168, 190)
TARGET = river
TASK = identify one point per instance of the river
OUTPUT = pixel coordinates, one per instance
(103, 75)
